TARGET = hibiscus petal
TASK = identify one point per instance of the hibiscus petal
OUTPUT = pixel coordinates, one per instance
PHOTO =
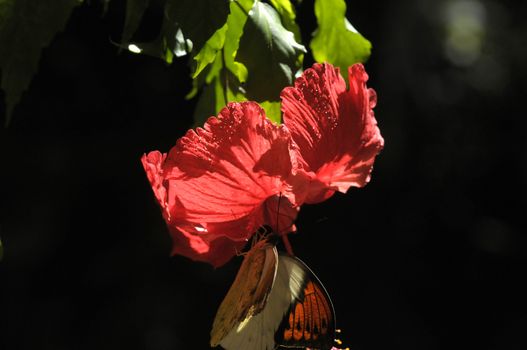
(217, 174)
(153, 165)
(219, 178)
(281, 214)
(335, 128)
(195, 247)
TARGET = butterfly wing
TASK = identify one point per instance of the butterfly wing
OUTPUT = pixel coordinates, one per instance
(258, 331)
(292, 311)
(310, 318)
(247, 296)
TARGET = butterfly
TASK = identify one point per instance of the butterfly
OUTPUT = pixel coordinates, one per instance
(275, 301)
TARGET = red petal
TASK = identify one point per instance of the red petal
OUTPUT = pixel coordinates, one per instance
(153, 165)
(335, 129)
(216, 252)
(220, 177)
(280, 214)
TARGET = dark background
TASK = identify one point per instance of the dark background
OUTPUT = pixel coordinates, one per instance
(430, 255)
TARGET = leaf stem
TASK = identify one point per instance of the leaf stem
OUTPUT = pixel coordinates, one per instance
(241, 7)
(226, 78)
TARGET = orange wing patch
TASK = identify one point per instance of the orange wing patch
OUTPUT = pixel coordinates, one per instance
(310, 321)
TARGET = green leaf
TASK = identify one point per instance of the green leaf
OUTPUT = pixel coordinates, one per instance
(210, 50)
(270, 53)
(206, 105)
(236, 22)
(186, 27)
(288, 15)
(216, 95)
(26, 26)
(272, 110)
(223, 88)
(214, 59)
(226, 39)
(134, 13)
(336, 41)
(198, 19)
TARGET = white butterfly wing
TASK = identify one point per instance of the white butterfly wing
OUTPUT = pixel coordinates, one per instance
(258, 332)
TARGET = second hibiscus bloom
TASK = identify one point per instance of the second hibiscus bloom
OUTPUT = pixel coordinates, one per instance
(220, 183)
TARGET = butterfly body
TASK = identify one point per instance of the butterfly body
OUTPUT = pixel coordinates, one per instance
(291, 310)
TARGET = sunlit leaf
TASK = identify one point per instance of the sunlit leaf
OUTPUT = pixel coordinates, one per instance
(199, 81)
(216, 68)
(210, 50)
(272, 110)
(270, 53)
(287, 12)
(226, 39)
(336, 41)
(236, 22)
(214, 59)
(26, 26)
(207, 76)
(134, 13)
(223, 74)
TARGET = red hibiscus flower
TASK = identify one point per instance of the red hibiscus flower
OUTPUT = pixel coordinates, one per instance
(220, 183)
(334, 128)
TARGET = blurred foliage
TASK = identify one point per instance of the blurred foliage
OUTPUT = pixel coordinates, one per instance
(26, 26)
(238, 49)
